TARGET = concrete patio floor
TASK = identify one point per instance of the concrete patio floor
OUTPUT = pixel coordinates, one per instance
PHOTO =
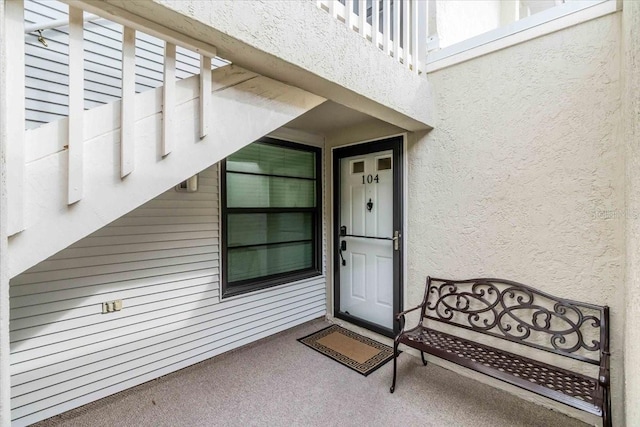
(280, 382)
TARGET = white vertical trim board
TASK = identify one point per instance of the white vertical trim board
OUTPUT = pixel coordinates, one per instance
(375, 22)
(406, 14)
(168, 98)
(15, 83)
(162, 261)
(76, 105)
(386, 26)
(396, 31)
(205, 95)
(362, 16)
(414, 35)
(127, 113)
(348, 14)
(5, 117)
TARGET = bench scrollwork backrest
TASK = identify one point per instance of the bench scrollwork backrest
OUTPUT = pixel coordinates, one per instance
(519, 313)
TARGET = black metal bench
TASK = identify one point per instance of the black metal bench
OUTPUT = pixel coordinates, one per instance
(457, 310)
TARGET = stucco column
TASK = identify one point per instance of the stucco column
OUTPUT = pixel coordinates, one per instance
(631, 135)
(5, 384)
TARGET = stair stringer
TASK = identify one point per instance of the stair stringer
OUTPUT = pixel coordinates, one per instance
(244, 107)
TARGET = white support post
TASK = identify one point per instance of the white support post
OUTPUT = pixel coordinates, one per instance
(396, 30)
(14, 93)
(348, 13)
(362, 16)
(127, 127)
(168, 98)
(205, 95)
(386, 26)
(406, 24)
(414, 35)
(375, 22)
(76, 105)
(7, 37)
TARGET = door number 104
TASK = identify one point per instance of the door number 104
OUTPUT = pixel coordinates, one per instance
(370, 179)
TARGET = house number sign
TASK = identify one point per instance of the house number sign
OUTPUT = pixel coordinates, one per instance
(370, 179)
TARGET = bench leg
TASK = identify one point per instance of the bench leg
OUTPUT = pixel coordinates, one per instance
(606, 409)
(424, 361)
(395, 366)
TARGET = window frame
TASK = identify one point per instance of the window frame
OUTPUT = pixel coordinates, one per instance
(263, 282)
(537, 25)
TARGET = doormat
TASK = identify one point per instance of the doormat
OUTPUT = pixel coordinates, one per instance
(354, 351)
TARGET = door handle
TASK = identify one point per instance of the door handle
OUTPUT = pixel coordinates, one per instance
(343, 247)
(396, 239)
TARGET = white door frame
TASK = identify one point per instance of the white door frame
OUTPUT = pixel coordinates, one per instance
(398, 143)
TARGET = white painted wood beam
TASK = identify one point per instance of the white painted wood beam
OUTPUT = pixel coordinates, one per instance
(56, 24)
(205, 95)
(76, 105)
(15, 97)
(168, 98)
(128, 19)
(127, 115)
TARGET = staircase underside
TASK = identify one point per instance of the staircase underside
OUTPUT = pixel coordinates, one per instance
(244, 107)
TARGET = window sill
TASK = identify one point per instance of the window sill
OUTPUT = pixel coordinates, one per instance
(558, 18)
(268, 283)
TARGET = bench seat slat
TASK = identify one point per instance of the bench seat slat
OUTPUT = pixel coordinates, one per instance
(576, 390)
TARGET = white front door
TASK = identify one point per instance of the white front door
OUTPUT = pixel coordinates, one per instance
(366, 237)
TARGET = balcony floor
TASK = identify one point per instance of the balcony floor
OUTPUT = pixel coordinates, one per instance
(278, 381)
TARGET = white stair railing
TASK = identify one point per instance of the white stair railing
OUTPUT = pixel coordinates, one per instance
(15, 87)
(403, 33)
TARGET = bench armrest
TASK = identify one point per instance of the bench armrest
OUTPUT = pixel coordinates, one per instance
(603, 375)
(402, 313)
(400, 318)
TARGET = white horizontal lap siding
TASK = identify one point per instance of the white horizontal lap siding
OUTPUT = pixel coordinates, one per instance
(162, 260)
(47, 67)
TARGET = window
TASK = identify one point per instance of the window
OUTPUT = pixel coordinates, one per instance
(468, 29)
(271, 215)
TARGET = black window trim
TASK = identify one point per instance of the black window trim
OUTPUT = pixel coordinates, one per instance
(251, 285)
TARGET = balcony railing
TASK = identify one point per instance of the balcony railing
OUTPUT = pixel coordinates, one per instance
(398, 28)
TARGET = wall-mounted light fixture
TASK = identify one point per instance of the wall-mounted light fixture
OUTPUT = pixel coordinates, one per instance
(188, 186)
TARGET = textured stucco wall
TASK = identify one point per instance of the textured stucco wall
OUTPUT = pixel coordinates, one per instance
(631, 138)
(297, 43)
(523, 174)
